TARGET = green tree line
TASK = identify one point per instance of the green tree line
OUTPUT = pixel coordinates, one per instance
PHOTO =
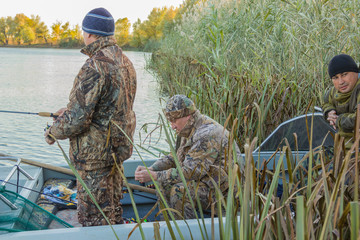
(23, 30)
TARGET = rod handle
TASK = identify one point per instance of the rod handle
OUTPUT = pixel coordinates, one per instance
(47, 114)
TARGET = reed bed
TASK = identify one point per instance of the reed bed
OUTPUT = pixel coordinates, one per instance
(249, 56)
(262, 62)
(309, 196)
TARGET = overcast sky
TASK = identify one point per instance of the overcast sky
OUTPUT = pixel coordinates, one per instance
(73, 11)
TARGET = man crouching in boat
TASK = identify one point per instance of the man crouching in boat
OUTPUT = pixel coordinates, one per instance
(341, 100)
(103, 94)
(202, 150)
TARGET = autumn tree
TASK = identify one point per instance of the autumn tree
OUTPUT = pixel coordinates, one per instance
(138, 35)
(153, 25)
(40, 29)
(168, 22)
(150, 31)
(71, 37)
(63, 35)
(24, 33)
(5, 31)
(76, 33)
(58, 31)
(122, 31)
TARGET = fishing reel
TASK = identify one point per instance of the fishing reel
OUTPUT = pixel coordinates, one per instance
(47, 127)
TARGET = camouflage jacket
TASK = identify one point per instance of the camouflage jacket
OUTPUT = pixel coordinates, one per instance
(201, 154)
(345, 106)
(103, 91)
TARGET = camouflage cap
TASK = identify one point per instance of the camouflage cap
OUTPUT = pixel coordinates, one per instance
(178, 106)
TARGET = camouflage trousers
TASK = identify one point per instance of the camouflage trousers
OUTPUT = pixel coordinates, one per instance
(106, 187)
(177, 198)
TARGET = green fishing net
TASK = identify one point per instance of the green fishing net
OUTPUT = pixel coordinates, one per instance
(28, 216)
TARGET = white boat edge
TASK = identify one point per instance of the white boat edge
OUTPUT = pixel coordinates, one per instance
(189, 230)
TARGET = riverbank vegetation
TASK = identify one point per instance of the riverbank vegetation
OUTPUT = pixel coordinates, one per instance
(263, 62)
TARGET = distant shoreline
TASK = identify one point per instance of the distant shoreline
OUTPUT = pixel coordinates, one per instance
(37, 46)
(58, 47)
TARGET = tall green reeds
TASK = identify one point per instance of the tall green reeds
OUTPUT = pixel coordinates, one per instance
(236, 57)
(318, 199)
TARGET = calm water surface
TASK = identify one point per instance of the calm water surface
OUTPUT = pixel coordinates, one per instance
(40, 80)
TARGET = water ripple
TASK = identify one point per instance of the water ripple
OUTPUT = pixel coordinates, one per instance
(41, 80)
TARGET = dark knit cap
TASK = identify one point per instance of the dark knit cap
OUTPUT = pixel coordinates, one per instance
(342, 63)
(99, 22)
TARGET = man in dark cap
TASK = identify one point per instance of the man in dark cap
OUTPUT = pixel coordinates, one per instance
(340, 101)
(103, 94)
(203, 152)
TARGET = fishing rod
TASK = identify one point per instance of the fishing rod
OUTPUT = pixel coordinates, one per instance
(41, 114)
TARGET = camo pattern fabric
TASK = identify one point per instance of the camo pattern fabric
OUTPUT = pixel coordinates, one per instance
(103, 91)
(177, 198)
(345, 105)
(106, 187)
(179, 106)
(101, 99)
(203, 154)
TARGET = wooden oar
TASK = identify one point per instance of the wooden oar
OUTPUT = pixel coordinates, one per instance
(69, 172)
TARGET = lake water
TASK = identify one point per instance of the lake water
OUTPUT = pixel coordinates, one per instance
(40, 80)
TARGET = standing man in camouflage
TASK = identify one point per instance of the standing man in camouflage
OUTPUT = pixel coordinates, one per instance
(103, 94)
(202, 149)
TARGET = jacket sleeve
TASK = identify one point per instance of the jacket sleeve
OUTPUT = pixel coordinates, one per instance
(83, 98)
(346, 121)
(196, 165)
(164, 163)
(328, 105)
